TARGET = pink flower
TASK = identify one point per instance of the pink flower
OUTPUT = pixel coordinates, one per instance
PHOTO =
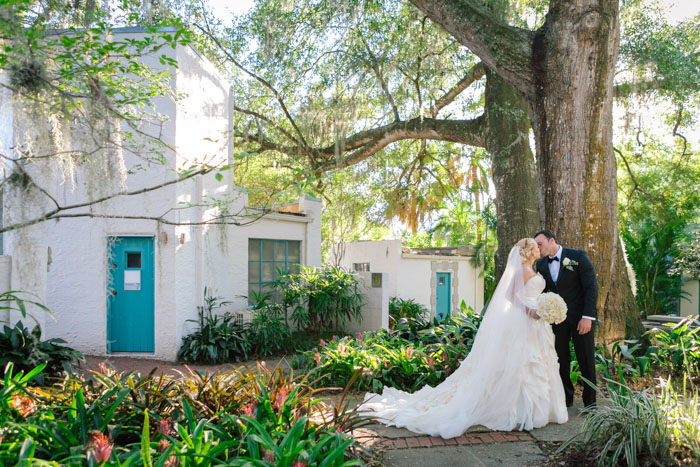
(431, 363)
(341, 349)
(100, 446)
(165, 426)
(299, 463)
(249, 410)
(322, 343)
(317, 358)
(281, 397)
(409, 352)
(24, 405)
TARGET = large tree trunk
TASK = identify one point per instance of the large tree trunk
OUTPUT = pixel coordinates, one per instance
(512, 164)
(565, 71)
(573, 60)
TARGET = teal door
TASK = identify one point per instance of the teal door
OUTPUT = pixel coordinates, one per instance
(130, 294)
(442, 295)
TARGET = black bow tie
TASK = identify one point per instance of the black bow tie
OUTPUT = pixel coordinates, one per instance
(549, 260)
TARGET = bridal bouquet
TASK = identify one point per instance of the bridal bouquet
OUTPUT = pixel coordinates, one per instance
(551, 308)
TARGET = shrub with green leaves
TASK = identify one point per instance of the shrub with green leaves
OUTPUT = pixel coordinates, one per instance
(325, 299)
(23, 346)
(25, 349)
(408, 310)
(219, 337)
(386, 358)
(676, 347)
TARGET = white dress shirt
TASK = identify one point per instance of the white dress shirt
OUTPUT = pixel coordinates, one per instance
(555, 267)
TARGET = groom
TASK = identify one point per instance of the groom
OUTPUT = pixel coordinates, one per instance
(570, 274)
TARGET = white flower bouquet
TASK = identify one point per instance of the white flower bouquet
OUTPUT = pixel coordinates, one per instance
(551, 308)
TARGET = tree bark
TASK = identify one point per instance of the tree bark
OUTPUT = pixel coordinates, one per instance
(573, 61)
(569, 88)
(512, 164)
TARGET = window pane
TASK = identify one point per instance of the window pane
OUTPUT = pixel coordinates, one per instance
(293, 252)
(133, 260)
(268, 270)
(294, 268)
(253, 250)
(268, 250)
(280, 251)
(254, 272)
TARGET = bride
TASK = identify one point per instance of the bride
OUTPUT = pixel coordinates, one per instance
(510, 379)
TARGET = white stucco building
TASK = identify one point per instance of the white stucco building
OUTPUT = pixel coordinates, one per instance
(438, 278)
(117, 280)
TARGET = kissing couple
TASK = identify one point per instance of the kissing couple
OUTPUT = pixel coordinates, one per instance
(516, 376)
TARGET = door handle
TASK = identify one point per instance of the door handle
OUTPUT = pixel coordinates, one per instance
(114, 292)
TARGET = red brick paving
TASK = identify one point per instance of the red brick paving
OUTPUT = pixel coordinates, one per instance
(493, 437)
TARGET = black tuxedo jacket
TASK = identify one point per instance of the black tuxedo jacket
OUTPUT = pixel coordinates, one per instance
(578, 288)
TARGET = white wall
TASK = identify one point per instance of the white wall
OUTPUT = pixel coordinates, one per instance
(375, 312)
(692, 305)
(413, 276)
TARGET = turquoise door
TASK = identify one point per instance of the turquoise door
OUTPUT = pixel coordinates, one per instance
(442, 295)
(130, 294)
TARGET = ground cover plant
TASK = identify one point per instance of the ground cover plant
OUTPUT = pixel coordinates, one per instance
(240, 417)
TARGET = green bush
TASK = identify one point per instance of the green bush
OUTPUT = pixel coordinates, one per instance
(269, 335)
(219, 337)
(25, 349)
(386, 358)
(676, 348)
(408, 312)
(324, 299)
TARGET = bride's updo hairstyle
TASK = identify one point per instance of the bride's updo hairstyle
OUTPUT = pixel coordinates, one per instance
(526, 246)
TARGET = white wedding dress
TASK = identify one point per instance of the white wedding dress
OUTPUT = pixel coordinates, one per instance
(509, 381)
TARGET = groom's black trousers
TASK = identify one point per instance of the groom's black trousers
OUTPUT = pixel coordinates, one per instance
(584, 347)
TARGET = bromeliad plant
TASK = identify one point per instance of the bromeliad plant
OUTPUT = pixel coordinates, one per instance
(240, 417)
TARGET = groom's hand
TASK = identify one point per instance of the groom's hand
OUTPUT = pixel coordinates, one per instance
(584, 326)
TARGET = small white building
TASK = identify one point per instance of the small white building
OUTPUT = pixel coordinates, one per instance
(438, 278)
(117, 280)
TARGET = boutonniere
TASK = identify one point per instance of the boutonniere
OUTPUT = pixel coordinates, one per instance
(569, 264)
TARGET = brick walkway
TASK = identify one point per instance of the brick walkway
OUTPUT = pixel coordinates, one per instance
(382, 443)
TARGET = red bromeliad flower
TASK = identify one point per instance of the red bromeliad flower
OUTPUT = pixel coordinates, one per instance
(23, 405)
(281, 397)
(409, 352)
(341, 349)
(431, 363)
(299, 463)
(322, 343)
(249, 410)
(100, 446)
(165, 426)
(317, 358)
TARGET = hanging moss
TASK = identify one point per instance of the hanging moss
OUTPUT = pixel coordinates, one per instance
(28, 75)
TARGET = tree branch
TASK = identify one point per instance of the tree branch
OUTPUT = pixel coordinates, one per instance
(503, 48)
(470, 132)
(474, 74)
